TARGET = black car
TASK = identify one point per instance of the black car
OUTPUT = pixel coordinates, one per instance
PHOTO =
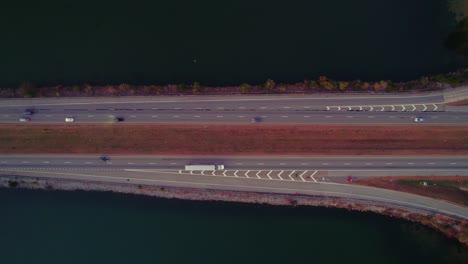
(28, 112)
(118, 119)
(105, 158)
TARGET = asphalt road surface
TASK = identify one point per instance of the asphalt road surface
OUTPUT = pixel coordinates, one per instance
(268, 109)
(429, 162)
(293, 175)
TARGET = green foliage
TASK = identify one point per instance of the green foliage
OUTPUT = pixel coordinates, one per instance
(57, 94)
(76, 88)
(182, 87)
(424, 80)
(446, 78)
(244, 88)
(343, 85)
(27, 89)
(270, 84)
(196, 87)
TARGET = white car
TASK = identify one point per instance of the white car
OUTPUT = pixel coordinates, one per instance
(24, 119)
(418, 119)
(69, 119)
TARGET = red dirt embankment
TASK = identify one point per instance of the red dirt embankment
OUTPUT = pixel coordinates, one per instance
(241, 139)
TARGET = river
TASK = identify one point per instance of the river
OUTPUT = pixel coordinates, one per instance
(92, 227)
(222, 42)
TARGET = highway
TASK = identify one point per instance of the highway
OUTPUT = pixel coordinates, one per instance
(292, 174)
(268, 109)
(177, 162)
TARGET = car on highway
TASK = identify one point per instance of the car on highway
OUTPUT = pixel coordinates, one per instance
(69, 119)
(25, 119)
(418, 119)
(28, 112)
(256, 119)
(104, 158)
(119, 119)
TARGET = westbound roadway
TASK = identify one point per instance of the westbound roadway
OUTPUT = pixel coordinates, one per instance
(294, 175)
(305, 109)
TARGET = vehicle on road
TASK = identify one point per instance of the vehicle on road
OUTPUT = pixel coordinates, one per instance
(418, 119)
(256, 119)
(25, 119)
(204, 167)
(69, 119)
(28, 112)
(119, 119)
(104, 158)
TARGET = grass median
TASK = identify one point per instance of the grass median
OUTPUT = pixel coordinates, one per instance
(218, 139)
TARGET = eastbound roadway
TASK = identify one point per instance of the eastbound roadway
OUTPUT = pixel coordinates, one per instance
(294, 174)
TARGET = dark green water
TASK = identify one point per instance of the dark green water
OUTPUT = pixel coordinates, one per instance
(80, 227)
(222, 42)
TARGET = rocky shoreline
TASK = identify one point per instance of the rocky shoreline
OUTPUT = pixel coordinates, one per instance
(451, 227)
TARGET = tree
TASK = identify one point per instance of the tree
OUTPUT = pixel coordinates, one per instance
(244, 88)
(27, 89)
(196, 87)
(343, 85)
(270, 84)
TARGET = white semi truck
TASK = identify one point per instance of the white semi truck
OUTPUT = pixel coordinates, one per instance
(204, 167)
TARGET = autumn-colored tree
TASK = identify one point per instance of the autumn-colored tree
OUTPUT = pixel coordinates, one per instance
(343, 85)
(270, 84)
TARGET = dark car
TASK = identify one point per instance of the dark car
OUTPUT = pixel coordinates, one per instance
(118, 119)
(28, 112)
(105, 158)
(256, 119)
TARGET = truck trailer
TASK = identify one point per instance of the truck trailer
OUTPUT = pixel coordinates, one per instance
(204, 167)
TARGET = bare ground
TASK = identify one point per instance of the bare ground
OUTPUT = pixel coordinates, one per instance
(234, 139)
(458, 103)
(452, 189)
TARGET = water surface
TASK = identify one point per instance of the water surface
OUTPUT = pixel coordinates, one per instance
(88, 227)
(222, 42)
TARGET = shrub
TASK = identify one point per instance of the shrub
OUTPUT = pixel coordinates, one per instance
(27, 89)
(123, 88)
(270, 84)
(343, 85)
(446, 78)
(282, 88)
(313, 84)
(88, 89)
(328, 84)
(182, 87)
(424, 80)
(244, 88)
(380, 86)
(365, 86)
(76, 88)
(196, 87)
